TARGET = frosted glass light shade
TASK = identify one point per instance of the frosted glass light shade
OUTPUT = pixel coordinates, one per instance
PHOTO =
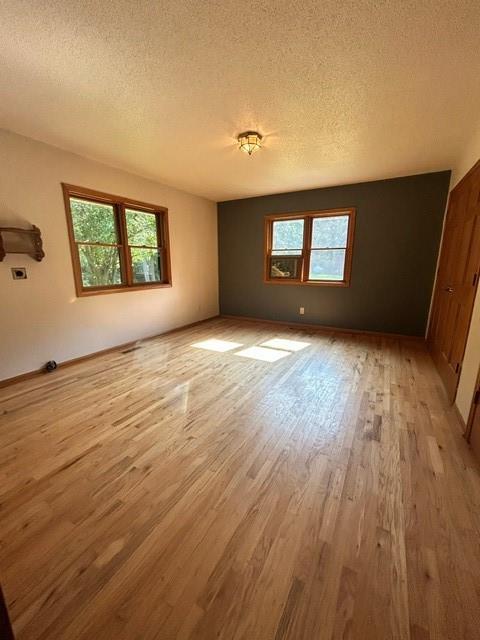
(249, 142)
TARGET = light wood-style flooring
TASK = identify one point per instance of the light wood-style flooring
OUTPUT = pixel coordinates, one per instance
(174, 492)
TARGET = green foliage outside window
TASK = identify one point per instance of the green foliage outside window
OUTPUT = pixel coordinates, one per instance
(94, 226)
(287, 237)
(142, 232)
(325, 250)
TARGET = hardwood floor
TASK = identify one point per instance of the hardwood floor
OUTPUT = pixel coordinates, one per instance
(174, 492)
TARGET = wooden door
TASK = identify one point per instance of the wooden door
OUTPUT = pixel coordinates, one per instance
(457, 280)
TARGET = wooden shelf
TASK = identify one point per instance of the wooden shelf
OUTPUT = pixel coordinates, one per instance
(18, 240)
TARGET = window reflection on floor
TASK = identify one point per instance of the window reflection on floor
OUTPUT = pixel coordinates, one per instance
(287, 345)
(217, 345)
(262, 353)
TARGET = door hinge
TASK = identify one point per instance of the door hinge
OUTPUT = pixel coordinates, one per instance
(458, 367)
(476, 397)
(475, 275)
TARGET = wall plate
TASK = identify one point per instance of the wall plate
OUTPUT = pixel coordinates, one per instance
(19, 273)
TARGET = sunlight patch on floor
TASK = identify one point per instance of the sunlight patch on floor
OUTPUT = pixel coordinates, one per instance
(286, 345)
(261, 353)
(217, 345)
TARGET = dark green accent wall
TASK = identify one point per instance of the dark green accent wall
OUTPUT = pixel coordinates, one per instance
(396, 244)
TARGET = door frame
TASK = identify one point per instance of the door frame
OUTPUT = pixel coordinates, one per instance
(474, 407)
(429, 340)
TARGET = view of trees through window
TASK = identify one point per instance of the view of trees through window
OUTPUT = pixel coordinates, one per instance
(329, 241)
(327, 264)
(98, 241)
(325, 252)
(287, 237)
(287, 241)
(329, 232)
(142, 240)
(95, 227)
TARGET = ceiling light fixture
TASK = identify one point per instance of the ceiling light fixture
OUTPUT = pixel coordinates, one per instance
(249, 141)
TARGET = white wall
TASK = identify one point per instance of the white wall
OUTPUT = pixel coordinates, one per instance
(471, 362)
(41, 318)
(468, 158)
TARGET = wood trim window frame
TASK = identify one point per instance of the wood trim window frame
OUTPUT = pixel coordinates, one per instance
(119, 204)
(308, 217)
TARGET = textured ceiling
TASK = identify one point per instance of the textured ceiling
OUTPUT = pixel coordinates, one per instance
(343, 91)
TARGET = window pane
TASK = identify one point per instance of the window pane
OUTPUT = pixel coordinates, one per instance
(285, 268)
(100, 265)
(93, 222)
(287, 237)
(141, 228)
(330, 232)
(327, 264)
(146, 265)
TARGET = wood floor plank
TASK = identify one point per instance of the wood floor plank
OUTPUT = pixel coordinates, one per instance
(174, 492)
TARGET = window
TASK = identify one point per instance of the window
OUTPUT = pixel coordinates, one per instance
(310, 248)
(117, 244)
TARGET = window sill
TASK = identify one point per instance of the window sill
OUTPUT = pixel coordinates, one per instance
(122, 289)
(310, 283)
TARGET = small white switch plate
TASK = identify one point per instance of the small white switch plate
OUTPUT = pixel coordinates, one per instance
(302, 311)
(19, 273)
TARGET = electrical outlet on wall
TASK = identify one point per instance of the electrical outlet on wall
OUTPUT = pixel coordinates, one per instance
(302, 311)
